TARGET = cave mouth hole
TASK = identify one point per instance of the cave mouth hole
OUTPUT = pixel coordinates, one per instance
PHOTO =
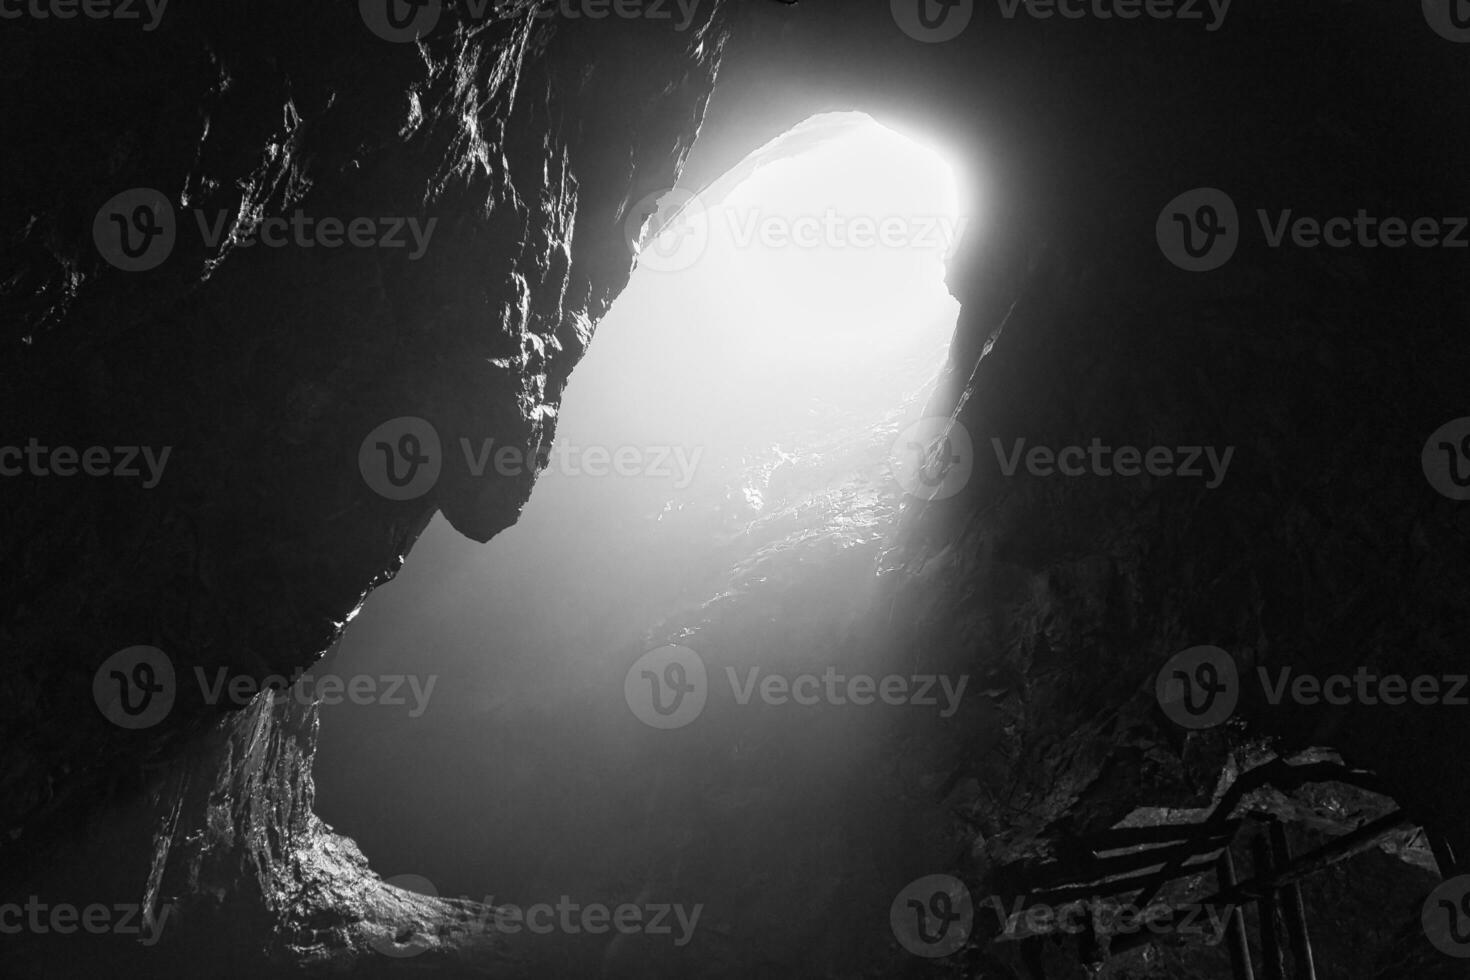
(799, 294)
(807, 323)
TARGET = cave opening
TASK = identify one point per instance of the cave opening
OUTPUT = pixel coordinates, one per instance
(1166, 687)
(740, 402)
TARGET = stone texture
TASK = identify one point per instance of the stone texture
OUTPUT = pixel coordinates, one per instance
(527, 139)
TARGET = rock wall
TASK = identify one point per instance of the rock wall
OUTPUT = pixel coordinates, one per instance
(518, 142)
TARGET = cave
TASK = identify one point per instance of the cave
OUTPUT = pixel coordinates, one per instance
(626, 488)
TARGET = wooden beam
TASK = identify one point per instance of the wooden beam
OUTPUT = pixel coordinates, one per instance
(1268, 919)
(1333, 852)
(1292, 908)
(1235, 937)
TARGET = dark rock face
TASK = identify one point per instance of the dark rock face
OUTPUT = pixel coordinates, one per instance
(524, 140)
(528, 142)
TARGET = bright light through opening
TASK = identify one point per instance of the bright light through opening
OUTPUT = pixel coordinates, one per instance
(776, 369)
(801, 295)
